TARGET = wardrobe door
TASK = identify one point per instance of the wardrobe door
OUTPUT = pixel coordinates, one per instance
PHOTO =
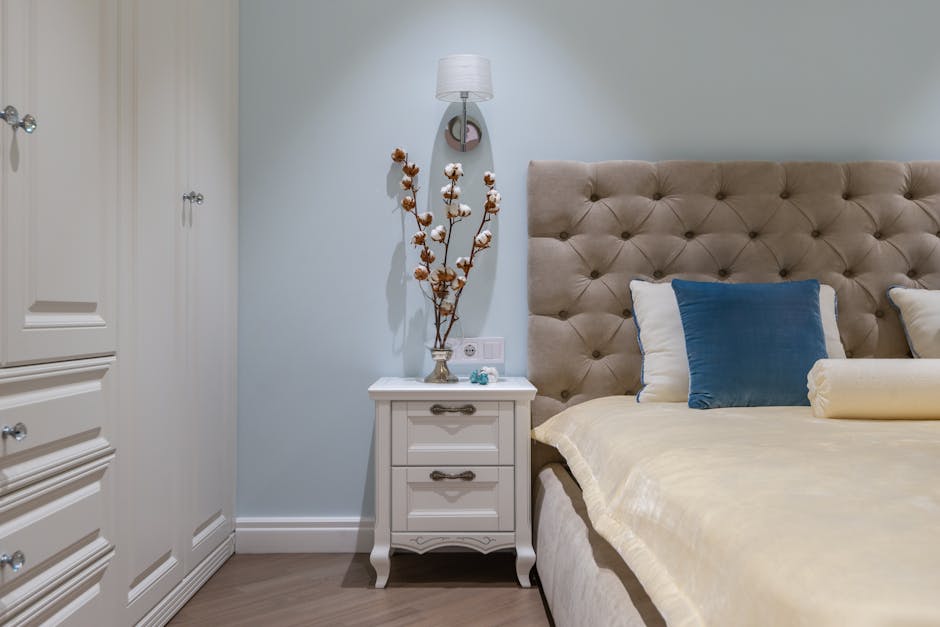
(58, 62)
(151, 464)
(213, 261)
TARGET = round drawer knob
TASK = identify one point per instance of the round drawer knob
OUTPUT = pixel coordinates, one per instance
(17, 432)
(15, 561)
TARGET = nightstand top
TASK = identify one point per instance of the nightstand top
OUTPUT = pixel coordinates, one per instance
(413, 388)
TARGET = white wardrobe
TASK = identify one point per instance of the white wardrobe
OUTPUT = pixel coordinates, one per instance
(175, 465)
(117, 306)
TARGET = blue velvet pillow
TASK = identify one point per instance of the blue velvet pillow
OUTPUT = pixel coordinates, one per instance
(750, 344)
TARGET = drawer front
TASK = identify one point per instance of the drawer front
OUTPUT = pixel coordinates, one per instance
(57, 525)
(482, 503)
(62, 407)
(439, 432)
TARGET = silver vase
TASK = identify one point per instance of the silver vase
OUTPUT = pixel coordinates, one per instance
(441, 373)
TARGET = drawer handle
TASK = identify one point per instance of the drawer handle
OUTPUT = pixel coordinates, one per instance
(17, 432)
(466, 475)
(15, 561)
(466, 410)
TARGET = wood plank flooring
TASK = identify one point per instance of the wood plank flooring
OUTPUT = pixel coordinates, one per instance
(437, 589)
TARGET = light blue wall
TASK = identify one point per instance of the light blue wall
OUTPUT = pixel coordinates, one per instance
(329, 88)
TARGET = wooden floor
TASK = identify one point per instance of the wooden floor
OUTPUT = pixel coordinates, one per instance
(438, 589)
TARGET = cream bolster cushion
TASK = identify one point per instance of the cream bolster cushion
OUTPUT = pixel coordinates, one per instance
(877, 389)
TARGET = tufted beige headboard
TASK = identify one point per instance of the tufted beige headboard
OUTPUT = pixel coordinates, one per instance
(593, 227)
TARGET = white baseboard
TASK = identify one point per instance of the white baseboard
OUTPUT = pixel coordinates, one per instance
(303, 535)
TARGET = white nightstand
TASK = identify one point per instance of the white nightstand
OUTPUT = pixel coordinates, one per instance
(452, 468)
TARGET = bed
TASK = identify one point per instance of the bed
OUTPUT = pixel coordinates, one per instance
(859, 227)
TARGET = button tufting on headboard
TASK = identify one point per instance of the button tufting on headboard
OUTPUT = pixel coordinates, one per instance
(814, 234)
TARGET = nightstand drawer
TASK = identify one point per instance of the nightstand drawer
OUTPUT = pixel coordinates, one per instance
(449, 498)
(452, 433)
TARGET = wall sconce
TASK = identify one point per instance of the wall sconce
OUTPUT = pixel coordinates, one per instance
(464, 78)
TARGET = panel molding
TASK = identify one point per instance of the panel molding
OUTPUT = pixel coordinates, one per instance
(154, 573)
(170, 604)
(323, 534)
(59, 241)
(482, 542)
(27, 385)
(77, 579)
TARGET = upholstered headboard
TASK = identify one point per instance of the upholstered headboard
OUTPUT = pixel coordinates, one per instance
(593, 227)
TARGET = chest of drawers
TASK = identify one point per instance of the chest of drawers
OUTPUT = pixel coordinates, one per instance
(452, 469)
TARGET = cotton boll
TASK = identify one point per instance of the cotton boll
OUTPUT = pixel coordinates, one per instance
(453, 171)
(439, 233)
(483, 239)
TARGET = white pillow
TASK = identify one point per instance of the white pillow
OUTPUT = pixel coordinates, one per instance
(665, 371)
(920, 317)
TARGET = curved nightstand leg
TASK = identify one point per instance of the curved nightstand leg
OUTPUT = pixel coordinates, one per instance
(381, 563)
(525, 560)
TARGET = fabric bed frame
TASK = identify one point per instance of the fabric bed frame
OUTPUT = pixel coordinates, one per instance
(859, 227)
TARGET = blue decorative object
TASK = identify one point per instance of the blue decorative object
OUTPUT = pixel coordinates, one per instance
(750, 344)
(484, 376)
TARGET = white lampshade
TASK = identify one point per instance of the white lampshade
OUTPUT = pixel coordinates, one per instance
(464, 73)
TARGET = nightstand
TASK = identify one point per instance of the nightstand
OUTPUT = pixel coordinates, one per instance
(452, 469)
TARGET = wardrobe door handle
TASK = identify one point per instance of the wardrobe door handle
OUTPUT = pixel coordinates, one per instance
(12, 117)
(17, 432)
(15, 561)
(194, 197)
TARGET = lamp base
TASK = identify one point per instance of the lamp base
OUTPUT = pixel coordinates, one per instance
(454, 131)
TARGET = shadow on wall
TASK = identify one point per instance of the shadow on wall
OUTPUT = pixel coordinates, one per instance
(409, 313)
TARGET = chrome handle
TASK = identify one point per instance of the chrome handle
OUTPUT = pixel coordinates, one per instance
(466, 475)
(17, 432)
(15, 561)
(194, 197)
(12, 117)
(466, 410)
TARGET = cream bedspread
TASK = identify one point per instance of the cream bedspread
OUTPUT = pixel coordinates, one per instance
(763, 516)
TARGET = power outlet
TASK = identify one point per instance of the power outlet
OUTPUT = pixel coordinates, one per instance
(480, 351)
